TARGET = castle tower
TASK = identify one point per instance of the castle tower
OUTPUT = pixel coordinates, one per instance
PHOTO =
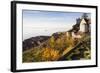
(85, 23)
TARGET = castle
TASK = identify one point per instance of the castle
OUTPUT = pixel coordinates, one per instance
(83, 25)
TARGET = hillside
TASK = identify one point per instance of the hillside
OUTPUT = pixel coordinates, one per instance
(81, 51)
(59, 46)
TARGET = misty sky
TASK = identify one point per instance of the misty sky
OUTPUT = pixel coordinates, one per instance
(36, 23)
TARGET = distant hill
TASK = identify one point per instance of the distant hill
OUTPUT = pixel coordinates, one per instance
(33, 42)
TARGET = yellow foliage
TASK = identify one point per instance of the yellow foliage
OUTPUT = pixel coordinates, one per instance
(50, 54)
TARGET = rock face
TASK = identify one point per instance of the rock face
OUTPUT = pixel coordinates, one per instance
(34, 41)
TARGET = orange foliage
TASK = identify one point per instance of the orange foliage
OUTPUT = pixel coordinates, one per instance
(50, 54)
